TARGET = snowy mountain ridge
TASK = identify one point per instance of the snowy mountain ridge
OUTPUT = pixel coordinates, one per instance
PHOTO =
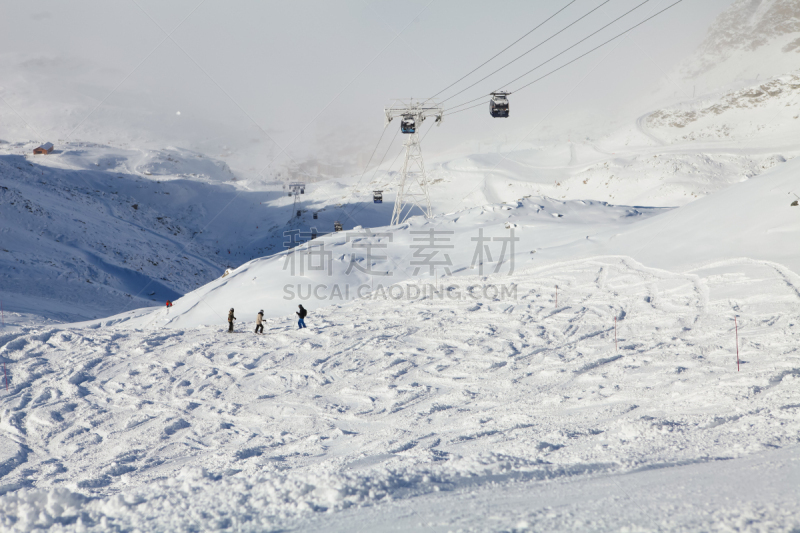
(755, 111)
(748, 25)
(751, 39)
(87, 231)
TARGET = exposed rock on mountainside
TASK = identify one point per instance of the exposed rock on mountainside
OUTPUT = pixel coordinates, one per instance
(748, 25)
(768, 108)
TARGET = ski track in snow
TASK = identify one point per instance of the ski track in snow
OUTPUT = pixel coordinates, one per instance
(379, 402)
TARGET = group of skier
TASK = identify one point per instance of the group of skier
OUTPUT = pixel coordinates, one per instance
(302, 313)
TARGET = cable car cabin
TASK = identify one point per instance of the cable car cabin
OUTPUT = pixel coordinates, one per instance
(377, 197)
(337, 226)
(408, 124)
(498, 105)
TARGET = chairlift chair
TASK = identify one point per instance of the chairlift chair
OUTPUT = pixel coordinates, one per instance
(408, 124)
(377, 197)
(498, 105)
(337, 226)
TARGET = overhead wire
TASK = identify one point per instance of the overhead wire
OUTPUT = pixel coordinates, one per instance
(501, 51)
(385, 183)
(396, 133)
(474, 70)
(560, 53)
(355, 187)
(449, 112)
(529, 50)
(378, 166)
(596, 47)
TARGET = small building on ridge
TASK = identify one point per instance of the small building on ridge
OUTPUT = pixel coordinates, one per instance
(46, 148)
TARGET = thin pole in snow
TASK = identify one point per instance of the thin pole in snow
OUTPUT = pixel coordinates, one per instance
(556, 295)
(615, 334)
(736, 324)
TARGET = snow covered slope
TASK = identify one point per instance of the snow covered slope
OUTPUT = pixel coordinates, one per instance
(383, 400)
(93, 230)
(620, 367)
(341, 267)
(628, 368)
(751, 219)
(767, 110)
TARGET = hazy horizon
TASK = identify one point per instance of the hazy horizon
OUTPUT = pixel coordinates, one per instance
(242, 82)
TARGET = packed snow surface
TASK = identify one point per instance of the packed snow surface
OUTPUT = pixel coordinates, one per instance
(378, 401)
(567, 360)
(576, 372)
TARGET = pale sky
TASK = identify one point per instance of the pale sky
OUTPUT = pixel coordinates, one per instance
(250, 78)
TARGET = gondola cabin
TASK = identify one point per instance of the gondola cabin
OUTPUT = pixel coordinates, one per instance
(408, 124)
(337, 226)
(377, 197)
(498, 105)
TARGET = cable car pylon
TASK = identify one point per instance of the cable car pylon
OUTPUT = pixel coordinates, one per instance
(413, 188)
(296, 188)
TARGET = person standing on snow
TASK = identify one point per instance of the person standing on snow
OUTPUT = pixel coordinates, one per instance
(259, 325)
(302, 314)
(231, 318)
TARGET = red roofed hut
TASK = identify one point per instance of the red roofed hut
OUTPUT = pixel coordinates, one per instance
(46, 148)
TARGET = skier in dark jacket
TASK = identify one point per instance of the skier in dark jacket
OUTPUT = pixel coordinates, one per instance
(231, 318)
(259, 325)
(302, 314)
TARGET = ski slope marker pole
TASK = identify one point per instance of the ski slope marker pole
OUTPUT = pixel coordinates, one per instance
(615, 334)
(736, 324)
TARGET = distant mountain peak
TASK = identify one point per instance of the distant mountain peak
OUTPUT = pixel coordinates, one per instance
(747, 26)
